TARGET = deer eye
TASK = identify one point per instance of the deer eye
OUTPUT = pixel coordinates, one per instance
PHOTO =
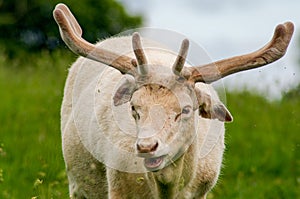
(186, 110)
(135, 114)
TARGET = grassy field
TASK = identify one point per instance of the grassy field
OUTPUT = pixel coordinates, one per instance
(262, 159)
(30, 156)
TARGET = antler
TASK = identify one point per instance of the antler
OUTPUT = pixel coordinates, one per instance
(139, 54)
(271, 52)
(71, 34)
(180, 60)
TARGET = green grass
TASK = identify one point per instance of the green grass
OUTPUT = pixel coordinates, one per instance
(262, 159)
(30, 156)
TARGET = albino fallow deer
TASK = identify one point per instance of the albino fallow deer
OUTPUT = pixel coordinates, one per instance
(138, 122)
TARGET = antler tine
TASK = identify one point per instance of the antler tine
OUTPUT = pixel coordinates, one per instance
(271, 52)
(73, 22)
(180, 60)
(139, 54)
(71, 34)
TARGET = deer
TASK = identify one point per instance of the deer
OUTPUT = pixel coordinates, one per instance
(139, 122)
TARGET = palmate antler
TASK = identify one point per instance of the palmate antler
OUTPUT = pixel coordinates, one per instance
(71, 34)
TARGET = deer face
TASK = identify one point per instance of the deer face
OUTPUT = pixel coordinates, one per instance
(165, 124)
(164, 104)
(165, 107)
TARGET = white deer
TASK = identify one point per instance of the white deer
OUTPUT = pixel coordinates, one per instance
(172, 142)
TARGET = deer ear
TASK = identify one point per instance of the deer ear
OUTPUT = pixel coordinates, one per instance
(124, 91)
(212, 109)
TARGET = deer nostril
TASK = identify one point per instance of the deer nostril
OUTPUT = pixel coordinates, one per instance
(147, 147)
(154, 147)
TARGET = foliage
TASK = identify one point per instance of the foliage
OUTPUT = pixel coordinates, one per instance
(263, 144)
(30, 23)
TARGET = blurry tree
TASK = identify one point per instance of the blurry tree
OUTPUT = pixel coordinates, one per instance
(30, 24)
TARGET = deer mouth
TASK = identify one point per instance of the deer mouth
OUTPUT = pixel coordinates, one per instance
(153, 163)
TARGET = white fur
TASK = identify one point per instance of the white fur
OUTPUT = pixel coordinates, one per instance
(90, 133)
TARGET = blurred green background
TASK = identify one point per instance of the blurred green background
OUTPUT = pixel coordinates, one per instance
(29, 24)
(262, 159)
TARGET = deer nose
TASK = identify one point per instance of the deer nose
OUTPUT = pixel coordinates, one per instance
(146, 146)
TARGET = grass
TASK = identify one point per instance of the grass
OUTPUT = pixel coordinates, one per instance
(30, 155)
(262, 159)
(263, 149)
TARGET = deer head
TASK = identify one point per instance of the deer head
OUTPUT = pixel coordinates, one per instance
(164, 99)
